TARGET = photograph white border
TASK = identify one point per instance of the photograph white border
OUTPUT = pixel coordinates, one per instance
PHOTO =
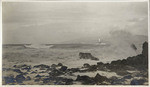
(70, 1)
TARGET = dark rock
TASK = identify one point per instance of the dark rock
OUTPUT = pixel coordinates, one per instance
(92, 68)
(63, 68)
(17, 70)
(60, 64)
(28, 78)
(68, 81)
(36, 80)
(53, 65)
(47, 80)
(86, 65)
(100, 63)
(137, 82)
(127, 77)
(118, 82)
(55, 73)
(20, 78)
(145, 49)
(9, 79)
(86, 80)
(87, 56)
(99, 79)
(33, 72)
(38, 76)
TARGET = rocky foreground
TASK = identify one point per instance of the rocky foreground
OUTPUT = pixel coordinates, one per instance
(130, 71)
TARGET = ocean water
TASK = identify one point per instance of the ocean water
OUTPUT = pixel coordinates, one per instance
(67, 54)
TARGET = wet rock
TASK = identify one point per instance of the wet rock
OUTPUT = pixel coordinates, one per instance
(63, 68)
(118, 82)
(87, 56)
(28, 78)
(86, 80)
(68, 81)
(145, 50)
(55, 73)
(137, 82)
(17, 70)
(36, 80)
(127, 77)
(60, 64)
(86, 65)
(100, 63)
(53, 65)
(99, 79)
(92, 68)
(20, 78)
(33, 72)
(41, 66)
(47, 80)
(9, 79)
(38, 76)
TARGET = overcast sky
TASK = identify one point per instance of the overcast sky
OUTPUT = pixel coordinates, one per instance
(55, 22)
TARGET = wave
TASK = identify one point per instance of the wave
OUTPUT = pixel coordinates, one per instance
(38, 46)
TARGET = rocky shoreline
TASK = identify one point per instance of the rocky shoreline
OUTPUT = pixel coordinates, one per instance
(130, 71)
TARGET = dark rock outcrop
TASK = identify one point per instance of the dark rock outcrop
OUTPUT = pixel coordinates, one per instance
(20, 78)
(9, 79)
(87, 56)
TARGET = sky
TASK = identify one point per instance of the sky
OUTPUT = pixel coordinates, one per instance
(56, 22)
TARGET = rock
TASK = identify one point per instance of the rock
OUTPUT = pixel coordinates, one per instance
(99, 79)
(127, 77)
(86, 80)
(38, 76)
(60, 64)
(145, 49)
(55, 73)
(118, 82)
(20, 78)
(53, 65)
(28, 78)
(9, 79)
(47, 80)
(17, 70)
(33, 72)
(100, 63)
(41, 66)
(92, 68)
(36, 80)
(28, 68)
(137, 82)
(68, 81)
(63, 68)
(87, 56)
(86, 65)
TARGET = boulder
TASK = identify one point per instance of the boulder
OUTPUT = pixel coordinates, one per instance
(63, 68)
(9, 79)
(86, 80)
(137, 82)
(28, 78)
(20, 78)
(87, 56)
(86, 65)
(60, 64)
(99, 79)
